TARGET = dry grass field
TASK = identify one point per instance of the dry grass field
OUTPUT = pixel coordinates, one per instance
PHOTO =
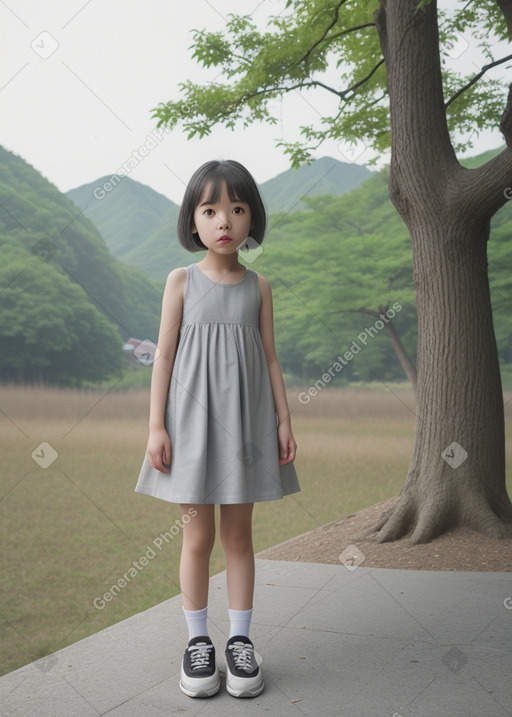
(72, 526)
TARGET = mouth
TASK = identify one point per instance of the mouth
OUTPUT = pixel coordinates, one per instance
(224, 240)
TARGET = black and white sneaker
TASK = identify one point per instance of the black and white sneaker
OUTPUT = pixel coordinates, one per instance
(199, 671)
(243, 676)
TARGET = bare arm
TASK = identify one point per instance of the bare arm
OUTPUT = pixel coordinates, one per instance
(159, 447)
(287, 444)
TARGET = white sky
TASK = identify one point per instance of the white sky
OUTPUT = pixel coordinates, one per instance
(78, 80)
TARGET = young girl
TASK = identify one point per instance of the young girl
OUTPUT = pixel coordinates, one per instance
(219, 428)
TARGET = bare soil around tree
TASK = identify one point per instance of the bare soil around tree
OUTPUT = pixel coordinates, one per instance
(336, 543)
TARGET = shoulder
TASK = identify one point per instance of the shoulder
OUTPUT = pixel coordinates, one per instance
(175, 283)
(176, 278)
(264, 285)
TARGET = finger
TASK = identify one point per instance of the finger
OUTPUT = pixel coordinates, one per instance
(155, 461)
(161, 459)
(288, 454)
(284, 456)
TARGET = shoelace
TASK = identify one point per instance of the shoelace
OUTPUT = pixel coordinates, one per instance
(243, 656)
(200, 655)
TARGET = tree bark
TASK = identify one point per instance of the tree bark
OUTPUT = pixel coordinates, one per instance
(506, 9)
(457, 470)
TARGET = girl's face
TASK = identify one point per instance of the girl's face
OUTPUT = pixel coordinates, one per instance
(224, 225)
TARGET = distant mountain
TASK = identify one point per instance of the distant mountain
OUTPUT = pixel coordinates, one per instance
(67, 303)
(323, 176)
(479, 159)
(139, 224)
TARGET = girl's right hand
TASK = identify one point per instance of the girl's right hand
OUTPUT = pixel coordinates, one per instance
(159, 450)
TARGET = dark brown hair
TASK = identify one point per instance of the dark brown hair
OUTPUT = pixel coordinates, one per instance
(241, 187)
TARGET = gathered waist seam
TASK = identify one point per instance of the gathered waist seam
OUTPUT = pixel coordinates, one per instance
(218, 323)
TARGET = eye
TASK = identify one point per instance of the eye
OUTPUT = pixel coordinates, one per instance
(238, 210)
(208, 212)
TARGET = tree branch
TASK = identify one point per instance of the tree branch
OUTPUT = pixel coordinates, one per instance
(299, 86)
(350, 29)
(489, 187)
(342, 94)
(401, 353)
(475, 79)
(324, 37)
(318, 42)
(361, 82)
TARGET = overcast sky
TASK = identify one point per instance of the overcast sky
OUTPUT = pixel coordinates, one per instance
(78, 80)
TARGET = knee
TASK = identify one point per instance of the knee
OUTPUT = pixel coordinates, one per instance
(198, 542)
(236, 539)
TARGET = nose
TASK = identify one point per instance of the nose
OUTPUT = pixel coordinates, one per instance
(223, 219)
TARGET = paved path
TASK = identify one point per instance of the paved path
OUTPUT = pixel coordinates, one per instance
(364, 642)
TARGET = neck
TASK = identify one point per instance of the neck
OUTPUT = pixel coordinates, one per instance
(221, 264)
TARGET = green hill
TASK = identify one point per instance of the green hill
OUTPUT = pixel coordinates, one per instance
(334, 265)
(67, 304)
(139, 224)
(479, 159)
(125, 211)
(326, 175)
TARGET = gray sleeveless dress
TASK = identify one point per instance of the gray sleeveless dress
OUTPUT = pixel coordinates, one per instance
(220, 412)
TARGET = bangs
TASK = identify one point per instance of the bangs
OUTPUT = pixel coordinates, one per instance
(237, 188)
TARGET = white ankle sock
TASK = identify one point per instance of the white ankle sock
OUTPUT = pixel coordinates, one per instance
(197, 622)
(239, 622)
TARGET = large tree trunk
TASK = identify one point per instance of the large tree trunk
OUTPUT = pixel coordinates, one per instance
(457, 472)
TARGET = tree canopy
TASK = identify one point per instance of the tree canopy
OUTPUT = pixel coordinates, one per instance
(333, 45)
(395, 86)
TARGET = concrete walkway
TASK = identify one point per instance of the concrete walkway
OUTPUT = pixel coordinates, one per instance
(363, 642)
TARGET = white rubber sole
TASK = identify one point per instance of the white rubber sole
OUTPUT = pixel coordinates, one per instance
(241, 687)
(200, 687)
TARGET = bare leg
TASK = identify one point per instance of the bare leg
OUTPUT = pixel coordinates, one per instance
(198, 540)
(236, 537)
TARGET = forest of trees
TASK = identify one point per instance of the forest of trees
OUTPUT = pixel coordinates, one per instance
(352, 253)
(66, 304)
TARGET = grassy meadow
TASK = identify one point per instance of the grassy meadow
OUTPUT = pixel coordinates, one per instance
(72, 529)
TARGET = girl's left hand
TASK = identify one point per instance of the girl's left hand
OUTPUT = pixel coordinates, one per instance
(287, 444)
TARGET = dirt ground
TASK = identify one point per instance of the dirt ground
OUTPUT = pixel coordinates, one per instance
(334, 543)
